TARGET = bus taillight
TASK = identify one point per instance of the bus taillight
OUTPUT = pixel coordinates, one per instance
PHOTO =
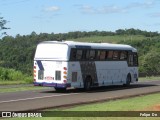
(65, 77)
(34, 73)
(64, 81)
(65, 68)
(65, 74)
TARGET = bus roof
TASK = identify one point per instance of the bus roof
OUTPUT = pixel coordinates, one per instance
(73, 44)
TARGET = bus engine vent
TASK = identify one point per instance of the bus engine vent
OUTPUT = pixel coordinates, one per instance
(58, 75)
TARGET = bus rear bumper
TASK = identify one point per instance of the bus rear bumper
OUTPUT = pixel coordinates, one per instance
(56, 85)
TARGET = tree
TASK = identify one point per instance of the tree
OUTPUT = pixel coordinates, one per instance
(151, 61)
(2, 26)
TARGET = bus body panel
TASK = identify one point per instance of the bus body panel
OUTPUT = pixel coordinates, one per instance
(111, 75)
(75, 75)
(52, 73)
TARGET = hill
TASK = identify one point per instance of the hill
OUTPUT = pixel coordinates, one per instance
(18, 52)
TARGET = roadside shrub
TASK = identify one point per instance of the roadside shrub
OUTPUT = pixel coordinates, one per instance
(13, 75)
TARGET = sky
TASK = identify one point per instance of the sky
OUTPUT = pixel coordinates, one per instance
(62, 16)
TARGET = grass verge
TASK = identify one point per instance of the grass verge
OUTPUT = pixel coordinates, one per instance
(141, 103)
(18, 82)
(20, 88)
(130, 104)
(29, 80)
(149, 78)
(11, 76)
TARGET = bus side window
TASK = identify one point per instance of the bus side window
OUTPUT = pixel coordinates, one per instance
(110, 55)
(73, 54)
(130, 59)
(123, 55)
(92, 54)
(135, 58)
(87, 55)
(97, 55)
(102, 55)
(115, 55)
(79, 55)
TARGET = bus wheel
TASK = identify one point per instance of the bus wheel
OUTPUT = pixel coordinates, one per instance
(128, 80)
(87, 84)
(60, 89)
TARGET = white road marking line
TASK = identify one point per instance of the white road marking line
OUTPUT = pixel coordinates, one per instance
(37, 98)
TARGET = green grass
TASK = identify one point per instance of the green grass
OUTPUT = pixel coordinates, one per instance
(110, 39)
(88, 118)
(25, 88)
(149, 78)
(8, 82)
(20, 88)
(131, 104)
(11, 76)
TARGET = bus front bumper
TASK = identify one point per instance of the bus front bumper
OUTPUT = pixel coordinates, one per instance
(56, 85)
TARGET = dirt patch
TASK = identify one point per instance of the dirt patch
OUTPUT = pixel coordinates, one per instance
(152, 108)
(156, 107)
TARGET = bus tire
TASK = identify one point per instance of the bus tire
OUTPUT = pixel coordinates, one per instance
(60, 89)
(87, 83)
(128, 80)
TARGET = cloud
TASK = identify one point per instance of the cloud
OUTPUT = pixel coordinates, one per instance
(157, 24)
(155, 14)
(88, 9)
(52, 9)
(103, 10)
(110, 9)
(43, 16)
(152, 24)
(146, 4)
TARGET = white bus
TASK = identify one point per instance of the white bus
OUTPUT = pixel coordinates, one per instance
(84, 65)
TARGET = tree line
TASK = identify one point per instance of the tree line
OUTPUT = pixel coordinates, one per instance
(18, 52)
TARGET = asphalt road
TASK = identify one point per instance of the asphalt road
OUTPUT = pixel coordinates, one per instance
(49, 98)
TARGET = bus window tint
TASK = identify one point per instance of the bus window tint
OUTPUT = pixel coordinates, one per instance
(92, 54)
(135, 58)
(79, 55)
(123, 55)
(102, 55)
(73, 54)
(110, 54)
(98, 55)
(115, 55)
(130, 59)
(87, 55)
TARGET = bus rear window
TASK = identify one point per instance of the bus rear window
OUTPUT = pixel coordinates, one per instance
(51, 51)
